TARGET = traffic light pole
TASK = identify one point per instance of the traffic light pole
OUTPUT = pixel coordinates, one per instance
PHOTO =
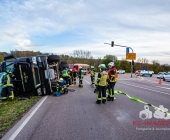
(112, 44)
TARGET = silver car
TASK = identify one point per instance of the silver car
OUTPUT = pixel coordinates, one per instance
(160, 75)
(166, 77)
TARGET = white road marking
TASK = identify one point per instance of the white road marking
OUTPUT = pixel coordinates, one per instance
(145, 88)
(141, 78)
(162, 87)
(87, 81)
(26, 120)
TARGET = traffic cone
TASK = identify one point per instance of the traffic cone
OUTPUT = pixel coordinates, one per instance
(160, 81)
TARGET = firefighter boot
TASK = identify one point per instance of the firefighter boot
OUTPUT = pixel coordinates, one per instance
(108, 98)
(103, 101)
(98, 102)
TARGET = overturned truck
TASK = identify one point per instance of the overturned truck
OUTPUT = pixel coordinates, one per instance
(36, 75)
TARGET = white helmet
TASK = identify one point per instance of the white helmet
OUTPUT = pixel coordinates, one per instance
(102, 65)
(80, 67)
(61, 80)
(111, 64)
(92, 67)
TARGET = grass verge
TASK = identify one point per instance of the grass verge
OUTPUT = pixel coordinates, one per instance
(12, 111)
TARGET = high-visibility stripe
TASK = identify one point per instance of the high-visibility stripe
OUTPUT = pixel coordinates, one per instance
(140, 101)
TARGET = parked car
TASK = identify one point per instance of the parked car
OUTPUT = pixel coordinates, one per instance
(145, 73)
(152, 72)
(166, 77)
(160, 75)
(121, 71)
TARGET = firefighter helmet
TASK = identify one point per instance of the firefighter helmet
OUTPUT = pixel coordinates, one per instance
(61, 80)
(111, 64)
(102, 67)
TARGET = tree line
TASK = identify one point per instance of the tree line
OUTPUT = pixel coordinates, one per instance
(83, 56)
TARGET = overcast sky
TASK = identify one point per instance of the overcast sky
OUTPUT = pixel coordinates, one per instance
(61, 26)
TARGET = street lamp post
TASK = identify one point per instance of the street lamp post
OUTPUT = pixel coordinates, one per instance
(112, 44)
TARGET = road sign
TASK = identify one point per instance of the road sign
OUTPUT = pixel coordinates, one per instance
(127, 50)
(131, 56)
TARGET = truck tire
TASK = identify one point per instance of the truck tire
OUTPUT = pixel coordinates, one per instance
(63, 62)
(61, 66)
(53, 58)
(64, 65)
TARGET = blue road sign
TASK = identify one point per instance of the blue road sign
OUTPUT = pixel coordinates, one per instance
(127, 50)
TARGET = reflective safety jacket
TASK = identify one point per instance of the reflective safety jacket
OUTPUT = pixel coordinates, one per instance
(102, 78)
(65, 73)
(7, 88)
(7, 81)
(112, 73)
(92, 73)
(81, 73)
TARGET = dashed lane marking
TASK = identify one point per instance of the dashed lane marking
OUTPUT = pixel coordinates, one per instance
(145, 88)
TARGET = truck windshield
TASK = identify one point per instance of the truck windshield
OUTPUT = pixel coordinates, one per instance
(9, 66)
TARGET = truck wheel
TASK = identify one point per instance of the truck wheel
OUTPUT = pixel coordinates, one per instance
(53, 58)
(64, 65)
(61, 66)
(63, 62)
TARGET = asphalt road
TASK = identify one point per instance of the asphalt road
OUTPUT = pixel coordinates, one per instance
(75, 116)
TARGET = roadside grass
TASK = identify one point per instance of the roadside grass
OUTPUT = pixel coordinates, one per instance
(12, 111)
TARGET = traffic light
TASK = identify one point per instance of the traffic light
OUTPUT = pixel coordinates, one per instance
(132, 62)
(112, 44)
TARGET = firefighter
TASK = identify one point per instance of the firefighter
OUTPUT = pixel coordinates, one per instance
(92, 75)
(70, 76)
(111, 81)
(8, 87)
(101, 84)
(65, 76)
(81, 76)
(74, 75)
(61, 86)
